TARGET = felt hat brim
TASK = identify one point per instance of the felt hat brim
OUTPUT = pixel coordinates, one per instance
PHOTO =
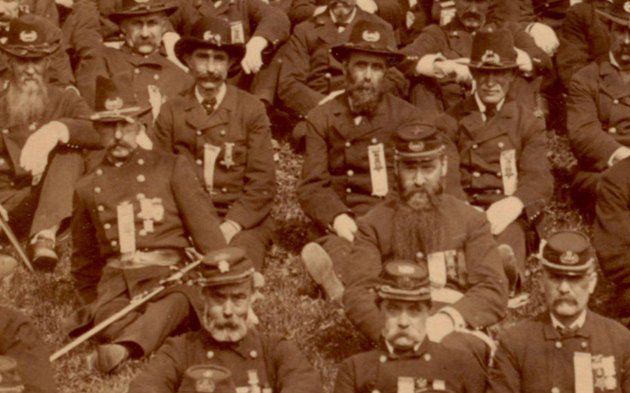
(116, 17)
(123, 114)
(489, 67)
(341, 53)
(187, 45)
(617, 19)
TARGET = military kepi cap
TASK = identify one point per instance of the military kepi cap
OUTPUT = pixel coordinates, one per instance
(31, 36)
(568, 253)
(618, 12)
(10, 380)
(116, 101)
(405, 280)
(493, 49)
(209, 32)
(210, 378)
(226, 266)
(417, 141)
(370, 37)
(142, 7)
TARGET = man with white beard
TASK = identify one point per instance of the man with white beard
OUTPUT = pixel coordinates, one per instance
(43, 128)
(257, 362)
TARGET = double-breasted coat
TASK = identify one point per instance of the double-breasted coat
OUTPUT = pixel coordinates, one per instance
(274, 363)
(532, 356)
(168, 206)
(470, 259)
(336, 171)
(430, 366)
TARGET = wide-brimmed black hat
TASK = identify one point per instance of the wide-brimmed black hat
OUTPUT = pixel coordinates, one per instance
(369, 37)
(568, 253)
(115, 100)
(618, 12)
(493, 49)
(31, 36)
(406, 281)
(209, 32)
(142, 7)
(418, 141)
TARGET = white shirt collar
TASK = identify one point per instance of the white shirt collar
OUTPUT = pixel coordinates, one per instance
(578, 323)
(482, 106)
(350, 19)
(220, 95)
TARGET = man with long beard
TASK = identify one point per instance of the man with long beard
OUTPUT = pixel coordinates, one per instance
(348, 163)
(423, 224)
(43, 128)
(567, 347)
(258, 362)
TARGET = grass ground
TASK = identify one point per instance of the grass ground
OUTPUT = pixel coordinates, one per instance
(291, 305)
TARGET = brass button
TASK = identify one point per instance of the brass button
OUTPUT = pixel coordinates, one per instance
(136, 70)
(558, 344)
(253, 354)
(615, 101)
(476, 174)
(199, 132)
(97, 189)
(99, 172)
(114, 243)
(475, 146)
(199, 162)
(107, 226)
(348, 144)
(156, 77)
(374, 141)
(222, 133)
(350, 172)
(5, 131)
(348, 190)
(100, 208)
(501, 145)
(584, 344)
(612, 130)
(32, 126)
(328, 75)
(141, 178)
(224, 189)
(427, 357)
(382, 359)
(555, 390)
(140, 161)
(209, 354)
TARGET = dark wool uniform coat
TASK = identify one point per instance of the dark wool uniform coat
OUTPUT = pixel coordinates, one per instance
(336, 171)
(598, 114)
(532, 356)
(474, 266)
(278, 363)
(309, 72)
(379, 370)
(154, 69)
(186, 211)
(243, 191)
(611, 232)
(20, 340)
(454, 42)
(480, 145)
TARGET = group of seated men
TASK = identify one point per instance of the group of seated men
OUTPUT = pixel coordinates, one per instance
(144, 126)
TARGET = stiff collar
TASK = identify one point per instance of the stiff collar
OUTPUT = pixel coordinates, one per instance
(220, 95)
(482, 106)
(354, 13)
(578, 323)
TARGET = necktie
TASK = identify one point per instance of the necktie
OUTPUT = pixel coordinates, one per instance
(208, 104)
(567, 331)
(341, 26)
(491, 111)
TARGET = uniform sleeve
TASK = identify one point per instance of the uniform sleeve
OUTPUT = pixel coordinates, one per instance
(485, 301)
(76, 118)
(87, 263)
(591, 145)
(292, 84)
(21, 341)
(302, 10)
(504, 375)
(345, 381)
(196, 208)
(315, 193)
(164, 129)
(535, 182)
(256, 200)
(541, 62)
(432, 40)
(611, 232)
(293, 372)
(164, 371)
(271, 23)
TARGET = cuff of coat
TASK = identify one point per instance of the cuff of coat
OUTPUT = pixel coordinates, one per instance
(458, 321)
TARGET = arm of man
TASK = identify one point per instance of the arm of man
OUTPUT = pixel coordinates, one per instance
(541, 62)
(164, 371)
(345, 382)
(485, 301)
(292, 83)
(21, 341)
(270, 22)
(292, 370)
(611, 231)
(505, 374)
(81, 133)
(592, 145)
(431, 41)
(162, 133)
(196, 208)
(259, 190)
(315, 193)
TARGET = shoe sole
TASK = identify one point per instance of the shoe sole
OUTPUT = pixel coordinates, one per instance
(320, 267)
(45, 263)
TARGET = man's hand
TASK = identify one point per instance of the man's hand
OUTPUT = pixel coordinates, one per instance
(503, 212)
(330, 96)
(34, 157)
(229, 229)
(524, 61)
(345, 227)
(620, 154)
(369, 6)
(544, 37)
(439, 326)
(252, 61)
(453, 69)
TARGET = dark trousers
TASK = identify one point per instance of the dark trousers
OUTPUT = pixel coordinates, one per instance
(255, 241)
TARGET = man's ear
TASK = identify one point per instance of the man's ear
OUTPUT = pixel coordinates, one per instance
(444, 170)
(592, 282)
